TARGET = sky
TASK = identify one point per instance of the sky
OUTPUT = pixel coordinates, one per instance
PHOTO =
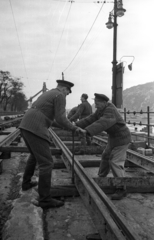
(40, 39)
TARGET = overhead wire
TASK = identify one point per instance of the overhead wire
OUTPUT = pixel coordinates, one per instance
(81, 2)
(53, 12)
(84, 39)
(59, 41)
(18, 38)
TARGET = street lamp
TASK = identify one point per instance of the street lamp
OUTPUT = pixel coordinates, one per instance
(130, 65)
(118, 11)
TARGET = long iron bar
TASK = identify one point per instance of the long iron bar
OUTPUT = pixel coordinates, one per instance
(73, 157)
(117, 224)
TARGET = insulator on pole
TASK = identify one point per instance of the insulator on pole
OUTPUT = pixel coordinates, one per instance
(44, 87)
(62, 76)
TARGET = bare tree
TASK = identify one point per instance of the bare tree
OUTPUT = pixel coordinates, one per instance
(9, 88)
(18, 102)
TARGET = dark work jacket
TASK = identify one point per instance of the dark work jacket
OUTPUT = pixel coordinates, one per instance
(84, 110)
(48, 107)
(110, 121)
(72, 112)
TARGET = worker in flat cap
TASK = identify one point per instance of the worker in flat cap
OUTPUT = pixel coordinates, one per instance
(34, 126)
(83, 110)
(107, 118)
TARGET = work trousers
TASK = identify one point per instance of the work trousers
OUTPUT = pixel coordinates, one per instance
(114, 159)
(40, 154)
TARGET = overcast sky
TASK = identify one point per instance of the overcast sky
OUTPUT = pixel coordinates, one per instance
(40, 39)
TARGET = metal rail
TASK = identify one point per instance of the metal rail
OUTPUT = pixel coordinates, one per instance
(11, 121)
(140, 160)
(108, 220)
(10, 138)
(10, 113)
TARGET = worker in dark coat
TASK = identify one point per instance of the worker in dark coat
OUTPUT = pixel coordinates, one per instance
(34, 126)
(72, 112)
(83, 110)
(108, 119)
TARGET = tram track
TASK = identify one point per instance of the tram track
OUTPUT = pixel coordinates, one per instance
(108, 220)
(11, 136)
(10, 122)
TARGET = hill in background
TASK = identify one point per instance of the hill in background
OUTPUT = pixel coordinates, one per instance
(139, 97)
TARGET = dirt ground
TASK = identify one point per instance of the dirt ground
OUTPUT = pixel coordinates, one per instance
(70, 222)
(9, 189)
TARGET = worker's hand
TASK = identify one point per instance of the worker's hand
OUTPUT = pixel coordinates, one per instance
(81, 131)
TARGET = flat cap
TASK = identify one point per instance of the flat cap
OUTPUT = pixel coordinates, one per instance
(65, 84)
(101, 97)
(84, 95)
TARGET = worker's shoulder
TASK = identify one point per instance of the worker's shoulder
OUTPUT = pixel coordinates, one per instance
(110, 105)
(55, 93)
(55, 90)
(86, 104)
(74, 108)
(110, 108)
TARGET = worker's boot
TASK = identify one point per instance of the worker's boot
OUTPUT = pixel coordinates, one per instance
(52, 203)
(45, 198)
(119, 194)
(29, 185)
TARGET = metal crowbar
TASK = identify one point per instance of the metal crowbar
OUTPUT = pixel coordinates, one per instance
(73, 157)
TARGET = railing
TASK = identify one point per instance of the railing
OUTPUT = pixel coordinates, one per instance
(146, 115)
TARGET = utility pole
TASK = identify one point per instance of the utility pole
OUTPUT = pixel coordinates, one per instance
(118, 11)
(44, 87)
(114, 62)
(62, 76)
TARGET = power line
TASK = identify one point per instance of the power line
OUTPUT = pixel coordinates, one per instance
(85, 38)
(59, 41)
(18, 38)
(53, 13)
(82, 1)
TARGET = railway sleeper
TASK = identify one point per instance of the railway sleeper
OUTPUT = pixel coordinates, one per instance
(132, 184)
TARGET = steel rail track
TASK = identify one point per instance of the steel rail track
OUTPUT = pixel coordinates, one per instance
(108, 220)
(10, 113)
(10, 138)
(10, 121)
(140, 160)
